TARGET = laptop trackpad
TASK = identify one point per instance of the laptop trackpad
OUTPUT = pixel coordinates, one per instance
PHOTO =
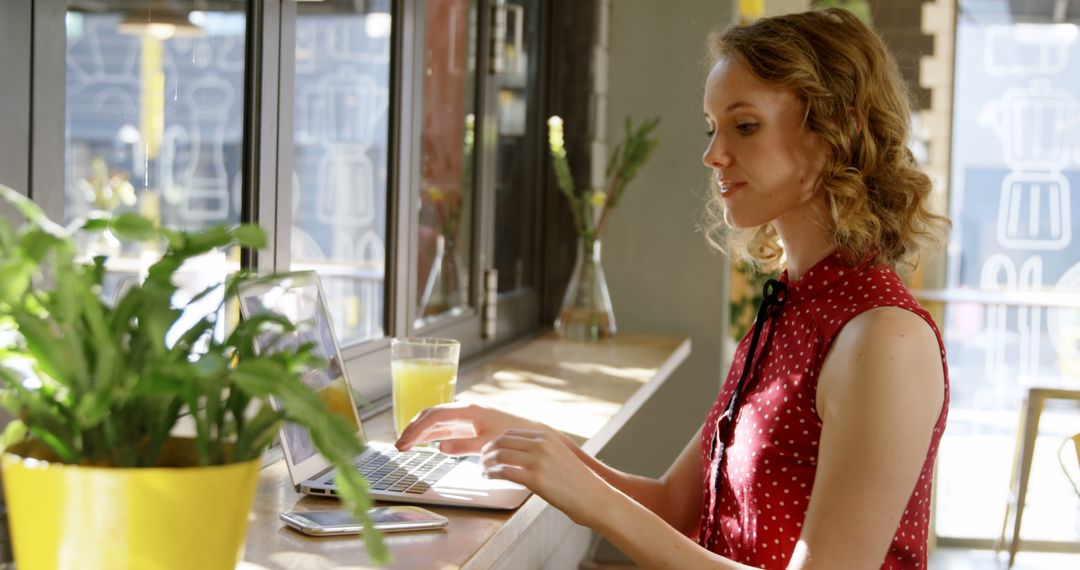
(470, 475)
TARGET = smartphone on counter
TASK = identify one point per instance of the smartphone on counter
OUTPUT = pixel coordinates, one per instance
(386, 519)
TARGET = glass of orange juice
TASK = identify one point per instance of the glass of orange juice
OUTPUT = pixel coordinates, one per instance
(424, 372)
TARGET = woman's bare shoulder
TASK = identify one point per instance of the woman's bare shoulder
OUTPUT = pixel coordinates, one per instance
(882, 354)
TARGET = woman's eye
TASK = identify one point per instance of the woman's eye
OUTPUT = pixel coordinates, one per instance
(746, 128)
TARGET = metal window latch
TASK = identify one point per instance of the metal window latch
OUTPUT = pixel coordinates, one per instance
(491, 297)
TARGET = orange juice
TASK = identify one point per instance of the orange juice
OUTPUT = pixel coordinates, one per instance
(420, 383)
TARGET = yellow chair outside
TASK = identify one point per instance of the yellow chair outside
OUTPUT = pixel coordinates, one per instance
(1030, 414)
(1075, 440)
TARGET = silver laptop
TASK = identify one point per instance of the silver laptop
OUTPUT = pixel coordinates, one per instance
(421, 475)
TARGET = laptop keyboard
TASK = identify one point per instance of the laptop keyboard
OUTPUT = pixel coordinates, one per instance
(405, 472)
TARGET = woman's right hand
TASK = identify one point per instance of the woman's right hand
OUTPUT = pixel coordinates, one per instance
(460, 429)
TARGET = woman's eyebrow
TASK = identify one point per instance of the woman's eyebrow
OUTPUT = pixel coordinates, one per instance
(734, 106)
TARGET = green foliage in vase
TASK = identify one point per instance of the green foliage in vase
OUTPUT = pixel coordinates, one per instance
(97, 384)
(591, 209)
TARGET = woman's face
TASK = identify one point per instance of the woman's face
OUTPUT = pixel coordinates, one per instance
(766, 163)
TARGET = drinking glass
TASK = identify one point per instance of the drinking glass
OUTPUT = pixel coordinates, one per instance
(424, 372)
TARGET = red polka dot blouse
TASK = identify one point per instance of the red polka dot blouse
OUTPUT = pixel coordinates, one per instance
(771, 455)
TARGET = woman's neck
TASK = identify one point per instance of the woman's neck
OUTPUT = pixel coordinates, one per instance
(805, 237)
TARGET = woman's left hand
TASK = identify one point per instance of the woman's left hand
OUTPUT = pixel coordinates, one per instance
(541, 461)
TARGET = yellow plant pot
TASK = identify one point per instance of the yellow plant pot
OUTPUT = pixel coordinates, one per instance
(70, 516)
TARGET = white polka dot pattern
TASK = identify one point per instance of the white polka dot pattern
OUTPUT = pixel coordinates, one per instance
(771, 457)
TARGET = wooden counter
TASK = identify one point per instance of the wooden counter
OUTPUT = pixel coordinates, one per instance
(588, 391)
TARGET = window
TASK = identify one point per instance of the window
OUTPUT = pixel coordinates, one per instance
(1012, 320)
(479, 162)
(153, 110)
(393, 147)
(340, 158)
(446, 192)
(521, 159)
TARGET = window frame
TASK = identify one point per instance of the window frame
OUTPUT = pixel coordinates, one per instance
(518, 311)
(15, 96)
(38, 55)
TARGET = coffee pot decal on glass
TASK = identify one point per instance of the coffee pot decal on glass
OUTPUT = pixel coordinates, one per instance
(1034, 124)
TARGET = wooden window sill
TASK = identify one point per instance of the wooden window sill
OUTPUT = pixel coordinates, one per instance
(589, 391)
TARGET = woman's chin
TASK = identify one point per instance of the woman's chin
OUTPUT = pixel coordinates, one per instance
(737, 223)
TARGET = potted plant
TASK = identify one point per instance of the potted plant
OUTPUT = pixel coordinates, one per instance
(92, 475)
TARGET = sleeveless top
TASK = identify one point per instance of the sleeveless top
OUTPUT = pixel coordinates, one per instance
(771, 455)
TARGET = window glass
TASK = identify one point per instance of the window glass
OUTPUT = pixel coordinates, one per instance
(517, 182)
(154, 107)
(448, 136)
(1015, 171)
(341, 156)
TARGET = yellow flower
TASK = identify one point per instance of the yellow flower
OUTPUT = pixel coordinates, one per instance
(435, 194)
(555, 135)
(598, 198)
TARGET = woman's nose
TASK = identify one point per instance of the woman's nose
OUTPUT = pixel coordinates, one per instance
(716, 156)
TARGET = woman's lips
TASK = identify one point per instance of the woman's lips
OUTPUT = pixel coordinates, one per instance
(730, 187)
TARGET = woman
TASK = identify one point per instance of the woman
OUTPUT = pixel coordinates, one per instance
(819, 450)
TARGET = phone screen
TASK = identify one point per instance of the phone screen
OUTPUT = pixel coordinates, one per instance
(387, 516)
(329, 518)
(379, 516)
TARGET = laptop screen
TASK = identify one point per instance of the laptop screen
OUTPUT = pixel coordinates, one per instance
(299, 299)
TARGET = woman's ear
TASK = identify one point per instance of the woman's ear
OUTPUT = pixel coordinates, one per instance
(856, 123)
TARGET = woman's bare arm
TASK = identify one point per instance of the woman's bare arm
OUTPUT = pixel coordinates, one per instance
(466, 428)
(880, 392)
(675, 497)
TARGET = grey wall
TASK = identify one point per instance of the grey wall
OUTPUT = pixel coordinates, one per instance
(15, 38)
(14, 145)
(662, 275)
(15, 18)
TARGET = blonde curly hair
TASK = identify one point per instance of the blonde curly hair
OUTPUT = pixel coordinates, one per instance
(855, 101)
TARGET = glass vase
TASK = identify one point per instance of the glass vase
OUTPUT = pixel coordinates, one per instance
(586, 313)
(444, 291)
(105, 242)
